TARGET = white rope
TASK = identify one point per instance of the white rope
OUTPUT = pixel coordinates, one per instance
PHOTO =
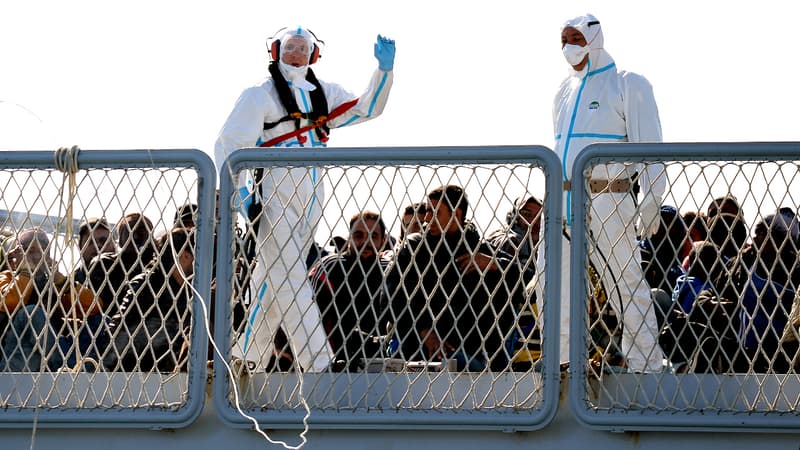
(66, 160)
(229, 370)
(34, 428)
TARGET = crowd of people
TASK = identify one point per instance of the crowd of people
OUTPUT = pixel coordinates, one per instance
(125, 306)
(724, 297)
(440, 292)
(725, 301)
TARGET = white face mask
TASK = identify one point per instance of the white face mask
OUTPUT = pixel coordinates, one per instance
(574, 53)
(297, 76)
(293, 73)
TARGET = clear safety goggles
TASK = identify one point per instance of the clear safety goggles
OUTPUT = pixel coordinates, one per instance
(296, 46)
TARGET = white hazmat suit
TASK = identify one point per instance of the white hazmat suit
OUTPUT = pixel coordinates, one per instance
(601, 104)
(292, 202)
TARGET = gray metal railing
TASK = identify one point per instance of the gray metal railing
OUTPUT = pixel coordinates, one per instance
(747, 390)
(104, 184)
(728, 356)
(396, 394)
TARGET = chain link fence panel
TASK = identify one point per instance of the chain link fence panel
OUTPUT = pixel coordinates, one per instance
(341, 309)
(710, 299)
(105, 262)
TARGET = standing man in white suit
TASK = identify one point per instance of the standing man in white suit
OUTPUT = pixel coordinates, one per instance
(292, 109)
(598, 103)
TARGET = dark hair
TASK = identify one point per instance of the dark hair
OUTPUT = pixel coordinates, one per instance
(89, 225)
(725, 204)
(185, 215)
(520, 203)
(171, 245)
(26, 238)
(369, 215)
(729, 232)
(705, 261)
(454, 197)
(132, 220)
(696, 221)
(415, 208)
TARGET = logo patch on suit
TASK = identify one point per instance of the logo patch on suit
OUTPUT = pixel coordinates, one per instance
(594, 105)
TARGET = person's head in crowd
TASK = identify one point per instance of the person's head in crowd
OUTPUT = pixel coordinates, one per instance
(412, 220)
(446, 211)
(776, 250)
(94, 238)
(726, 226)
(697, 224)
(367, 235)
(673, 237)
(705, 262)
(135, 233)
(527, 214)
(30, 252)
(727, 204)
(186, 216)
(176, 250)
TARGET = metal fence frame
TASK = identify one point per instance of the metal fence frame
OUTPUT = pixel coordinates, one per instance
(614, 420)
(620, 419)
(124, 417)
(394, 419)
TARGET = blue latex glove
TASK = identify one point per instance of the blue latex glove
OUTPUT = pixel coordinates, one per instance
(384, 53)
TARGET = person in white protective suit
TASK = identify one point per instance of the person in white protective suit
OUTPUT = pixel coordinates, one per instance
(292, 109)
(598, 103)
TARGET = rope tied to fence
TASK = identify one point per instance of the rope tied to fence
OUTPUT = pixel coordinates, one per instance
(66, 161)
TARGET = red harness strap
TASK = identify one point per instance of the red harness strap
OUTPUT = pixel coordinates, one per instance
(339, 110)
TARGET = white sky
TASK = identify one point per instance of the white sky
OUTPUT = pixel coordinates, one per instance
(165, 74)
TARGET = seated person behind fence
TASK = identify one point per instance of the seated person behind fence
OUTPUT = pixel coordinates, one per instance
(447, 290)
(519, 238)
(151, 329)
(761, 279)
(46, 313)
(678, 338)
(347, 288)
(664, 251)
(697, 228)
(704, 267)
(412, 220)
(94, 238)
(110, 274)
